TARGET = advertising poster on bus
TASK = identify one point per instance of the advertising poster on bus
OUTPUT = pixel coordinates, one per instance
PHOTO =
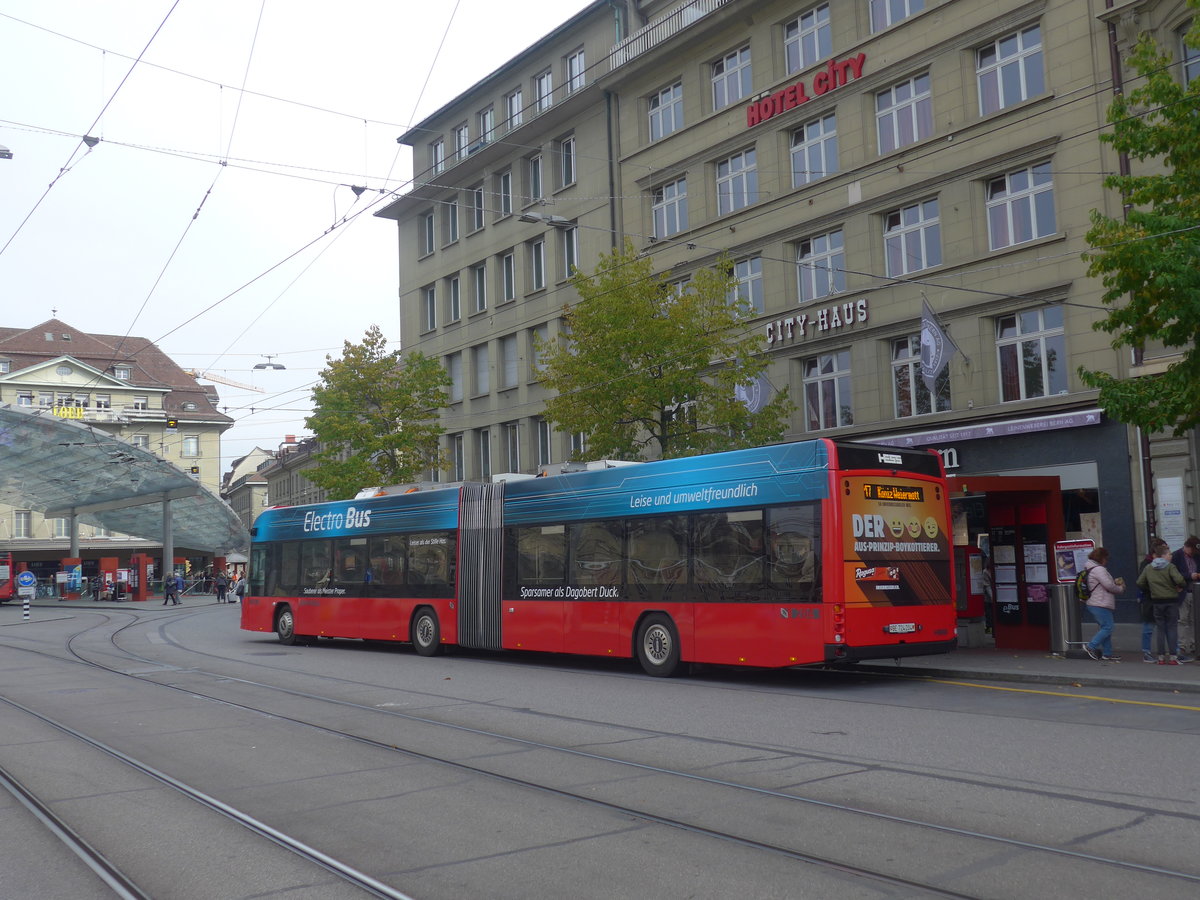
(897, 542)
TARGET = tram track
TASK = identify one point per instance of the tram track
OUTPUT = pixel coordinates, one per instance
(744, 838)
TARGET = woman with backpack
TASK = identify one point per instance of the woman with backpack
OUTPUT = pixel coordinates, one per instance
(1102, 604)
(1162, 583)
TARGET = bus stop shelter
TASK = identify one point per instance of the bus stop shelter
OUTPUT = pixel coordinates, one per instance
(72, 470)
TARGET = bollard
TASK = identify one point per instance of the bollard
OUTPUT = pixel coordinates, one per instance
(25, 607)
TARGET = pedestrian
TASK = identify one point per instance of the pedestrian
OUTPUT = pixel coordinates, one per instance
(1101, 603)
(1162, 583)
(1187, 560)
(169, 590)
(241, 589)
(1145, 605)
(222, 584)
(180, 587)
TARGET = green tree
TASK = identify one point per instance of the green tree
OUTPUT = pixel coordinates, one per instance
(649, 372)
(1148, 260)
(375, 413)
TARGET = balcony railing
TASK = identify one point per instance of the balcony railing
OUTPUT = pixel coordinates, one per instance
(656, 32)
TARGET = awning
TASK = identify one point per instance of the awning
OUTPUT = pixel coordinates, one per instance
(58, 466)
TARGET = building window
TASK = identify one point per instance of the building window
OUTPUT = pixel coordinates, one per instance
(808, 39)
(46, 399)
(191, 445)
(63, 370)
(104, 401)
(1020, 206)
(1010, 70)
(508, 278)
(479, 362)
(731, 78)
(437, 156)
(487, 124)
(454, 370)
(504, 192)
(479, 286)
(22, 523)
(912, 238)
(62, 527)
(737, 182)
(475, 197)
(428, 308)
(508, 362)
(543, 441)
(141, 441)
(1032, 351)
(579, 445)
(141, 403)
(5, 366)
(911, 393)
(512, 447)
(827, 391)
(904, 113)
(821, 266)
(122, 373)
(514, 106)
(566, 155)
(814, 150)
(670, 208)
(543, 90)
(537, 264)
(1190, 56)
(666, 111)
(749, 287)
(886, 13)
(535, 178)
(451, 221)
(428, 233)
(458, 459)
(576, 71)
(25, 398)
(453, 299)
(462, 140)
(538, 335)
(484, 445)
(570, 251)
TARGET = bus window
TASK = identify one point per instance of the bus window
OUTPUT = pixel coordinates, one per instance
(794, 550)
(658, 550)
(350, 561)
(264, 573)
(316, 564)
(289, 568)
(596, 553)
(430, 558)
(387, 557)
(541, 554)
(728, 547)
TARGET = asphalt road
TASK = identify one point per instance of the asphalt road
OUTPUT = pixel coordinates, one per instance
(483, 775)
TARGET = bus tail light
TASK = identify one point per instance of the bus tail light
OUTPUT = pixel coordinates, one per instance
(839, 623)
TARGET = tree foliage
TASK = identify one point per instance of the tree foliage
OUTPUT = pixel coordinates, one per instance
(650, 372)
(1148, 260)
(375, 413)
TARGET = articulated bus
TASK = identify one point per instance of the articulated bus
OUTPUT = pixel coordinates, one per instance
(809, 553)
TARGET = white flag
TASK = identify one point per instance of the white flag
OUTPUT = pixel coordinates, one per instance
(936, 349)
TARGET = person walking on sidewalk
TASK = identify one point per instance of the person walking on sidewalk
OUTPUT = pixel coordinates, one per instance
(1162, 583)
(1102, 604)
(1146, 605)
(1187, 560)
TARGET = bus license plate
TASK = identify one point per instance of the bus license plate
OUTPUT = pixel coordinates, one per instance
(902, 628)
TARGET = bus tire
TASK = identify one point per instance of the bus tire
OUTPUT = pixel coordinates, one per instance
(285, 626)
(658, 645)
(426, 632)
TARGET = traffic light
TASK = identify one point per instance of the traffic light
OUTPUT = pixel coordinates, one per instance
(187, 567)
(194, 470)
(172, 424)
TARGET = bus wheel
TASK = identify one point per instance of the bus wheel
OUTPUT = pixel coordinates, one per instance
(426, 633)
(658, 645)
(285, 626)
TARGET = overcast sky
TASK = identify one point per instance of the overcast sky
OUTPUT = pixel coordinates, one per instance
(147, 233)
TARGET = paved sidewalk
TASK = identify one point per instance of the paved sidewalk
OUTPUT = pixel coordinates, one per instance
(979, 663)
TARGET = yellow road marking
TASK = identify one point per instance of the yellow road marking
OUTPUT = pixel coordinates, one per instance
(996, 687)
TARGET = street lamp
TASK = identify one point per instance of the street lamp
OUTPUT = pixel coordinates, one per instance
(269, 364)
(5, 153)
(544, 219)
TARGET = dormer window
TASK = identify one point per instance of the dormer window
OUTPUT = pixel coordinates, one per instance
(122, 373)
(49, 335)
(5, 366)
(189, 406)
